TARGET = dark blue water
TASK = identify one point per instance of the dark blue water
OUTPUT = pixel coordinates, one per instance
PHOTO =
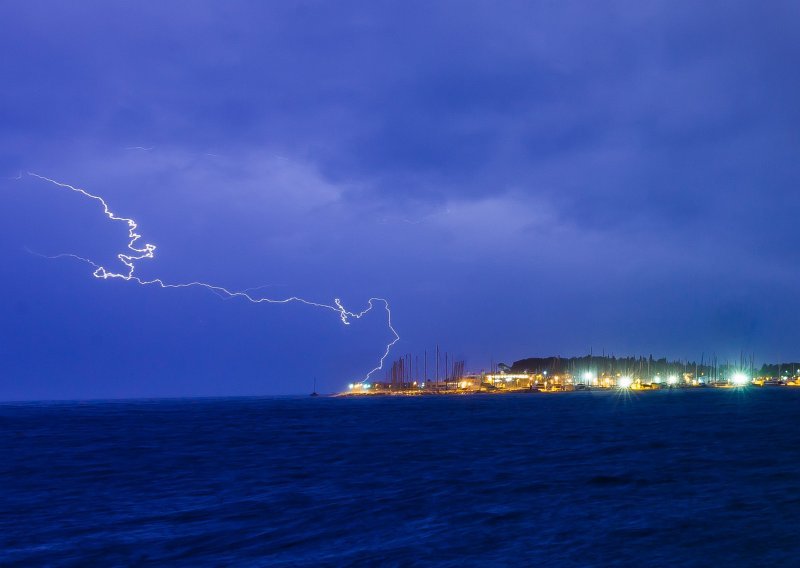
(698, 478)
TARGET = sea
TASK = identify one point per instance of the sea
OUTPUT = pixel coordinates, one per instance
(700, 477)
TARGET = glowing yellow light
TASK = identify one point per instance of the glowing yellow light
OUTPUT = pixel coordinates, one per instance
(625, 382)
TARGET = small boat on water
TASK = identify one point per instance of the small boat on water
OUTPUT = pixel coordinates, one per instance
(314, 393)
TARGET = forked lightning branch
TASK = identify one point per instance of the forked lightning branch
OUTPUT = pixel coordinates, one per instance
(136, 252)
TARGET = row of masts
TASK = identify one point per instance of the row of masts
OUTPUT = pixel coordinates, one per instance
(406, 370)
(409, 370)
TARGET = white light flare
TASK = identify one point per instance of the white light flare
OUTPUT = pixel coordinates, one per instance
(740, 379)
(148, 251)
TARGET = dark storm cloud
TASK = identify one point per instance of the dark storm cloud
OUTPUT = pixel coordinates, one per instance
(649, 148)
(588, 100)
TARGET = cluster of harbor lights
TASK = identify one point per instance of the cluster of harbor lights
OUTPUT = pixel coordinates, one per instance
(588, 380)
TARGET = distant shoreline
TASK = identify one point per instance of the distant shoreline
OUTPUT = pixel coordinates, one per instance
(502, 392)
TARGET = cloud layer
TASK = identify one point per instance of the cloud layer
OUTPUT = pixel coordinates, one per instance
(521, 180)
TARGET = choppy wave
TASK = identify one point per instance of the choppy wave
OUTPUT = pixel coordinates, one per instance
(658, 478)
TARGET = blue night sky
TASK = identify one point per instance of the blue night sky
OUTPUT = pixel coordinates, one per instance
(518, 179)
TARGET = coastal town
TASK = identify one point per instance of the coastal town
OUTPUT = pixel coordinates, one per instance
(409, 376)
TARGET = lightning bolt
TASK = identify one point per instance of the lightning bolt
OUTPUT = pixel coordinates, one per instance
(136, 252)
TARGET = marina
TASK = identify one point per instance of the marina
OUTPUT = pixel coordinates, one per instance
(407, 377)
